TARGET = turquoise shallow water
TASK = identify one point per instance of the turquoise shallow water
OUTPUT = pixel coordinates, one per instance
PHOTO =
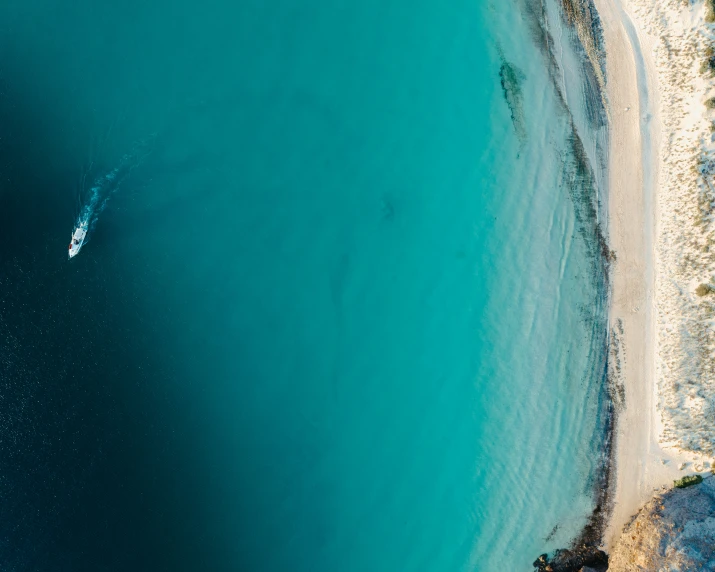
(346, 315)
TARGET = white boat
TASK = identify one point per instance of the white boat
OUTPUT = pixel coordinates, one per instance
(78, 237)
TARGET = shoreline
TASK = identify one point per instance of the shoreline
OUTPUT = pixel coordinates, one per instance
(641, 181)
(631, 284)
(635, 465)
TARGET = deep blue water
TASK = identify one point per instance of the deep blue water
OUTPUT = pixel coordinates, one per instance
(346, 315)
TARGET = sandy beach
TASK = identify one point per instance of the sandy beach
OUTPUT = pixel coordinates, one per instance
(660, 327)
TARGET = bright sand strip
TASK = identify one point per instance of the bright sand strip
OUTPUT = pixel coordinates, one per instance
(661, 229)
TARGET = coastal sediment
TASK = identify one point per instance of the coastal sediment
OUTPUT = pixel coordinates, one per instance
(661, 203)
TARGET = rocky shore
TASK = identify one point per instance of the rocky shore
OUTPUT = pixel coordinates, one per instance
(675, 531)
(584, 558)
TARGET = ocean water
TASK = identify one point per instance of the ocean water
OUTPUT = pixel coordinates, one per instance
(347, 314)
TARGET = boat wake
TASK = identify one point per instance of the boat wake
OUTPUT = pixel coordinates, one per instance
(101, 190)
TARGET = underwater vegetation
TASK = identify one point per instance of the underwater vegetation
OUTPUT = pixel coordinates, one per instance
(511, 78)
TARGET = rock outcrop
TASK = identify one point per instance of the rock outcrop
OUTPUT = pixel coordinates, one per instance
(575, 560)
(674, 532)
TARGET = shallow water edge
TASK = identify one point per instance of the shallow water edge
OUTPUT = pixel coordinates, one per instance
(585, 172)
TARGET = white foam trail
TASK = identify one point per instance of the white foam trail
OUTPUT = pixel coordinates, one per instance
(103, 188)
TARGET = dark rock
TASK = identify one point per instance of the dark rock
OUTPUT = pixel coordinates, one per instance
(573, 560)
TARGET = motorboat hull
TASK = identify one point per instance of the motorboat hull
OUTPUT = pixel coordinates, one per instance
(78, 237)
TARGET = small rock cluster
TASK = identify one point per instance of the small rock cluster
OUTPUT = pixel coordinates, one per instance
(584, 558)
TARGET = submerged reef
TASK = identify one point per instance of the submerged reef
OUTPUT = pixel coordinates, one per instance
(511, 78)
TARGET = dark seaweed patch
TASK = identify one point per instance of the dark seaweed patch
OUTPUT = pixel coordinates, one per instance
(582, 18)
(551, 534)
(579, 178)
(581, 182)
(511, 78)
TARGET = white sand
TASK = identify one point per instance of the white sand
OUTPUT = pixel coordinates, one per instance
(661, 229)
